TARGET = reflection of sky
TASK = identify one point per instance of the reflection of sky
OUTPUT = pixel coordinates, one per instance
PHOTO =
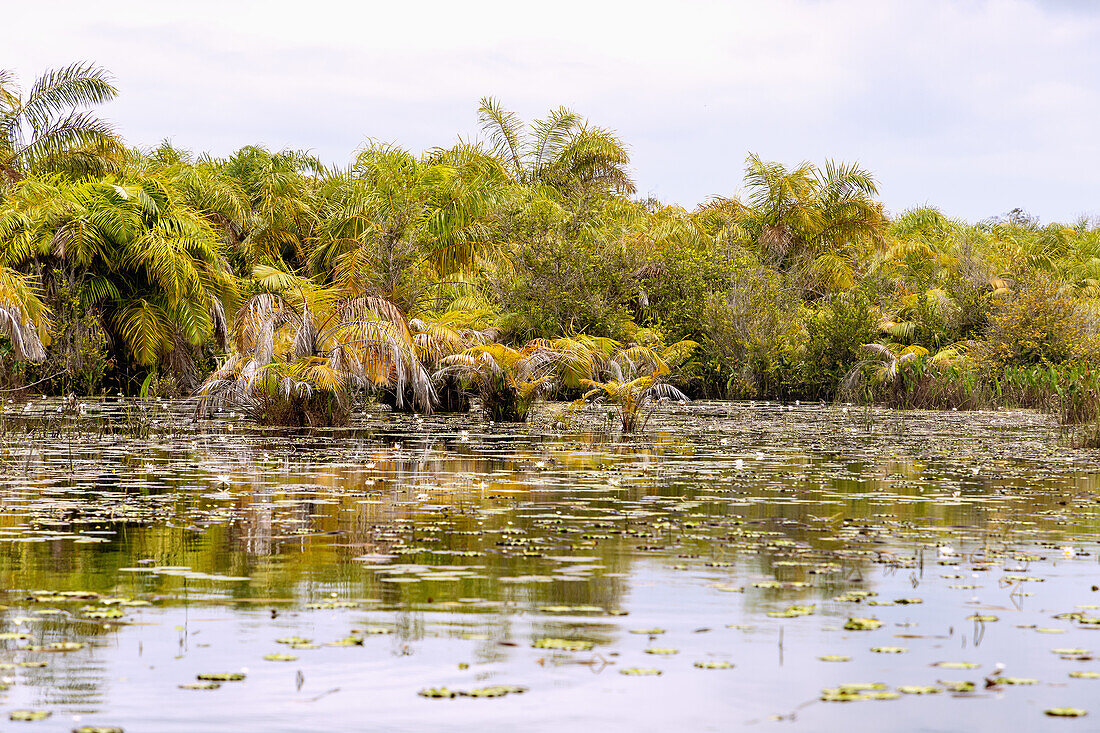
(666, 526)
(978, 107)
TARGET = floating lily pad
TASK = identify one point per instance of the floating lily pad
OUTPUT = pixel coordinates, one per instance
(220, 677)
(957, 685)
(661, 650)
(889, 649)
(862, 624)
(649, 632)
(1065, 712)
(280, 657)
(714, 665)
(640, 671)
(347, 641)
(565, 645)
(293, 640)
(1085, 675)
(29, 715)
(495, 691)
(834, 658)
(956, 665)
(200, 686)
(918, 689)
(792, 612)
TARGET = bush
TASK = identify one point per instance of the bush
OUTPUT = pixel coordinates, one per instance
(837, 332)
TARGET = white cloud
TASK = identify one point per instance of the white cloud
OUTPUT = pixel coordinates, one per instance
(977, 106)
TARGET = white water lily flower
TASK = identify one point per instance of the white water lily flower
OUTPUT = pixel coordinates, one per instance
(1068, 551)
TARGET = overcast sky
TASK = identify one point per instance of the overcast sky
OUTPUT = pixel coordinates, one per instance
(974, 106)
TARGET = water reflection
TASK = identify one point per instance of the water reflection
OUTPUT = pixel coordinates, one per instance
(461, 545)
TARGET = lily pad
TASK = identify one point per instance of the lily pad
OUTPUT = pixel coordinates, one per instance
(565, 645)
(862, 624)
(1065, 712)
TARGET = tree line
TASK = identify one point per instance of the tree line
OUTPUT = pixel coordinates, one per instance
(517, 265)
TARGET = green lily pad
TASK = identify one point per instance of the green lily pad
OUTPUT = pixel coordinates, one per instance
(640, 672)
(834, 658)
(957, 685)
(956, 665)
(220, 677)
(564, 645)
(495, 691)
(93, 612)
(918, 689)
(648, 632)
(1066, 712)
(98, 729)
(200, 686)
(437, 692)
(714, 665)
(889, 649)
(661, 650)
(347, 641)
(29, 715)
(862, 624)
(293, 640)
(1085, 675)
(280, 657)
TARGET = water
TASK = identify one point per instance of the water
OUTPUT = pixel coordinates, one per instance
(449, 547)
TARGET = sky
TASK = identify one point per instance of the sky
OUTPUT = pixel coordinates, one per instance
(974, 106)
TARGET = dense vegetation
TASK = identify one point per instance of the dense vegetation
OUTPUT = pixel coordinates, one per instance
(519, 265)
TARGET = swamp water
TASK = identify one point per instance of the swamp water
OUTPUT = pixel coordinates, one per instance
(739, 566)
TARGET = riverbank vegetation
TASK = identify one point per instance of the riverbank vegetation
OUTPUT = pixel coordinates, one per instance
(518, 265)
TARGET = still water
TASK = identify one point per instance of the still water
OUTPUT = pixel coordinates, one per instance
(699, 577)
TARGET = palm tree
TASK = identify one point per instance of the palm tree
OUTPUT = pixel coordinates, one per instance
(560, 151)
(636, 378)
(300, 351)
(811, 220)
(128, 249)
(23, 316)
(47, 129)
(395, 225)
(507, 380)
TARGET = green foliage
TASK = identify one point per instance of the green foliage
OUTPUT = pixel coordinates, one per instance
(509, 268)
(838, 329)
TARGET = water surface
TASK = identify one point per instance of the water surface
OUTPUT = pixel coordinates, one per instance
(440, 550)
